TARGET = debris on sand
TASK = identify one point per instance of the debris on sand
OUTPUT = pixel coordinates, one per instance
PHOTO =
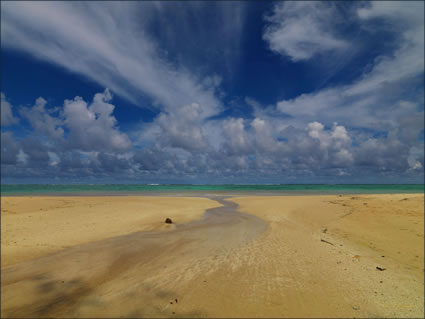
(356, 257)
(324, 230)
(325, 241)
(380, 268)
(168, 221)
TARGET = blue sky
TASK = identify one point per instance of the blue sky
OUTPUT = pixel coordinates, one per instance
(212, 92)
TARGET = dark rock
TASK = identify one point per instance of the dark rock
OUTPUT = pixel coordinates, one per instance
(168, 221)
(380, 268)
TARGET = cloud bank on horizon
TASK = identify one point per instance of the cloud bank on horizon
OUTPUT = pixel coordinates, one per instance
(361, 121)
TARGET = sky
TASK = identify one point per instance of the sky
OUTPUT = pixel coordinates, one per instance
(205, 92)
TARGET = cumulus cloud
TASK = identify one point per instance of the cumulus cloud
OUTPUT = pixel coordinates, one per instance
(336, 141)
(179, 128)
(9, 149)
(89, 126)
(415, 158)
(7, 117)
(42, 120)
(236, 140)
(302, 29)
(77, 135)
(92, 127)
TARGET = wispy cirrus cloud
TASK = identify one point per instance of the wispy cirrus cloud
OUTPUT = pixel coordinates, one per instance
(115, 45)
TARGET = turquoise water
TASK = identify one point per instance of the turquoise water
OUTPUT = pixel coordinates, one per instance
(131, 189)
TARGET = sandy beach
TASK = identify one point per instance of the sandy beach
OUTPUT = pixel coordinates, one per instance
(224, 256)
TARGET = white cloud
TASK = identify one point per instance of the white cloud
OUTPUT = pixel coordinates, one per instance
(264, 139)
(42, 121)
(93, 127)
(403, 10)
(415, 157)
(334, 144)
(108, 43)
(88, 126)
(179, 128)
(9, 148)
(338, 136)
(302, 29)
(21, 157)
(54, 159)
(408, 59)
(236, 140)
(376, 100)
(7, 117)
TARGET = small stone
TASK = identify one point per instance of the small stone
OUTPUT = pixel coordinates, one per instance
(168, 221)
(380, 268)
(176, 300)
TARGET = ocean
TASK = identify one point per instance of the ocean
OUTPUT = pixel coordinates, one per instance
(134, 189)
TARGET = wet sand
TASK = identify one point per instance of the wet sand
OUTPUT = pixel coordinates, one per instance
(271, 256)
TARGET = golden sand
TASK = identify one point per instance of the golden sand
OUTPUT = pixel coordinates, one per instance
(289, 256)
(35, 226)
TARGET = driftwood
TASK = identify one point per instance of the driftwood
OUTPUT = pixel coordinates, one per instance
(325, 241)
